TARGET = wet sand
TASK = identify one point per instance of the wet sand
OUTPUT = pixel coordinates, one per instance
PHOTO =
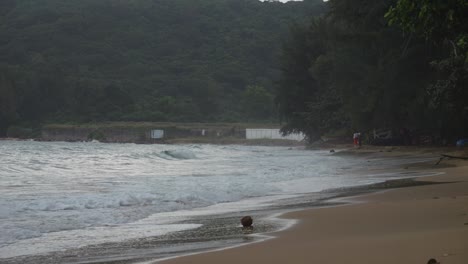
(405, 225)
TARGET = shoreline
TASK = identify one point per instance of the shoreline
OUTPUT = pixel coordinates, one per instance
(390, 163)
(184, 141)
(323, 199)
(292, 246)
(341, 197)
(224, 230)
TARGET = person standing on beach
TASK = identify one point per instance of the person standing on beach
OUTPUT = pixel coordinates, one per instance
(357, 139)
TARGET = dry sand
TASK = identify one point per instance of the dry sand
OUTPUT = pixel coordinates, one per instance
(407, 225)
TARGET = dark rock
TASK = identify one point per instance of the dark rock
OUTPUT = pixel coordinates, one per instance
(332, 151)
(246, 221)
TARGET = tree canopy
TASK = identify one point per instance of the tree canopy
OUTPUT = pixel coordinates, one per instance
(142, 60)
(378, 64)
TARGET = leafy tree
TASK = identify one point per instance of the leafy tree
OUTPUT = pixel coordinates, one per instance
(444, 24)
(298, 88)
(350, 71)
(257, 102)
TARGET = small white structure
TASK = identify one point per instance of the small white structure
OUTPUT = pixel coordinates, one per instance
(255, 133)
(157, 134)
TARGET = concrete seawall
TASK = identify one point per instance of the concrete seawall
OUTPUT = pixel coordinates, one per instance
(138, 134)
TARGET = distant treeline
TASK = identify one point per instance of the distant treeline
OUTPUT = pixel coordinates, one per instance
(142, 60)
(384, 64)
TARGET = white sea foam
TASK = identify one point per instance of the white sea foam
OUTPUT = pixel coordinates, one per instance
(63, 240)
(58, 195)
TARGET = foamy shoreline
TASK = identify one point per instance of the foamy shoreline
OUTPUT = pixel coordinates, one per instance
(341, 197)
(363, 237)
(219, 231)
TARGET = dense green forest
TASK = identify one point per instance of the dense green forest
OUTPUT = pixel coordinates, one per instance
(321, 67)
(384, 64)
(142, 60)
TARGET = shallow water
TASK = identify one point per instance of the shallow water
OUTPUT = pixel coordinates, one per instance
(76, 197)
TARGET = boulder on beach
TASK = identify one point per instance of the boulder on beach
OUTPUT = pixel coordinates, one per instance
(246, 221)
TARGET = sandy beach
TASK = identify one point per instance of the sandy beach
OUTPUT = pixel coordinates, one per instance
(405, 225)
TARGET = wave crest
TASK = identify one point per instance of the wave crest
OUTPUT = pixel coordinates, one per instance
(178, 154)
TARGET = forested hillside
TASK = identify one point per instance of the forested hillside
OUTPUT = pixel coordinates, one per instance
(385, 64)
(142, 60)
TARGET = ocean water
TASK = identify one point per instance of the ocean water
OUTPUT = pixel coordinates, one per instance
(61, 197)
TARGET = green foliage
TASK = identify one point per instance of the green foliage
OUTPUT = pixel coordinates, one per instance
(434, 20)
(257, 102)
(20, 132)
(173, 60)
(350, 70)
(445, 24)
(8, 99)
(297, 87)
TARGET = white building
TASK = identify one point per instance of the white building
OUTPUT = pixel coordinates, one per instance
(259, 133)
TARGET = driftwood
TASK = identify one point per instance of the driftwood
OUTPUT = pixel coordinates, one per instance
(445, 156)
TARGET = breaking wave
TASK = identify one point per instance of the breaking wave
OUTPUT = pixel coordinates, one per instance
(73, 188)
(178, 154)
